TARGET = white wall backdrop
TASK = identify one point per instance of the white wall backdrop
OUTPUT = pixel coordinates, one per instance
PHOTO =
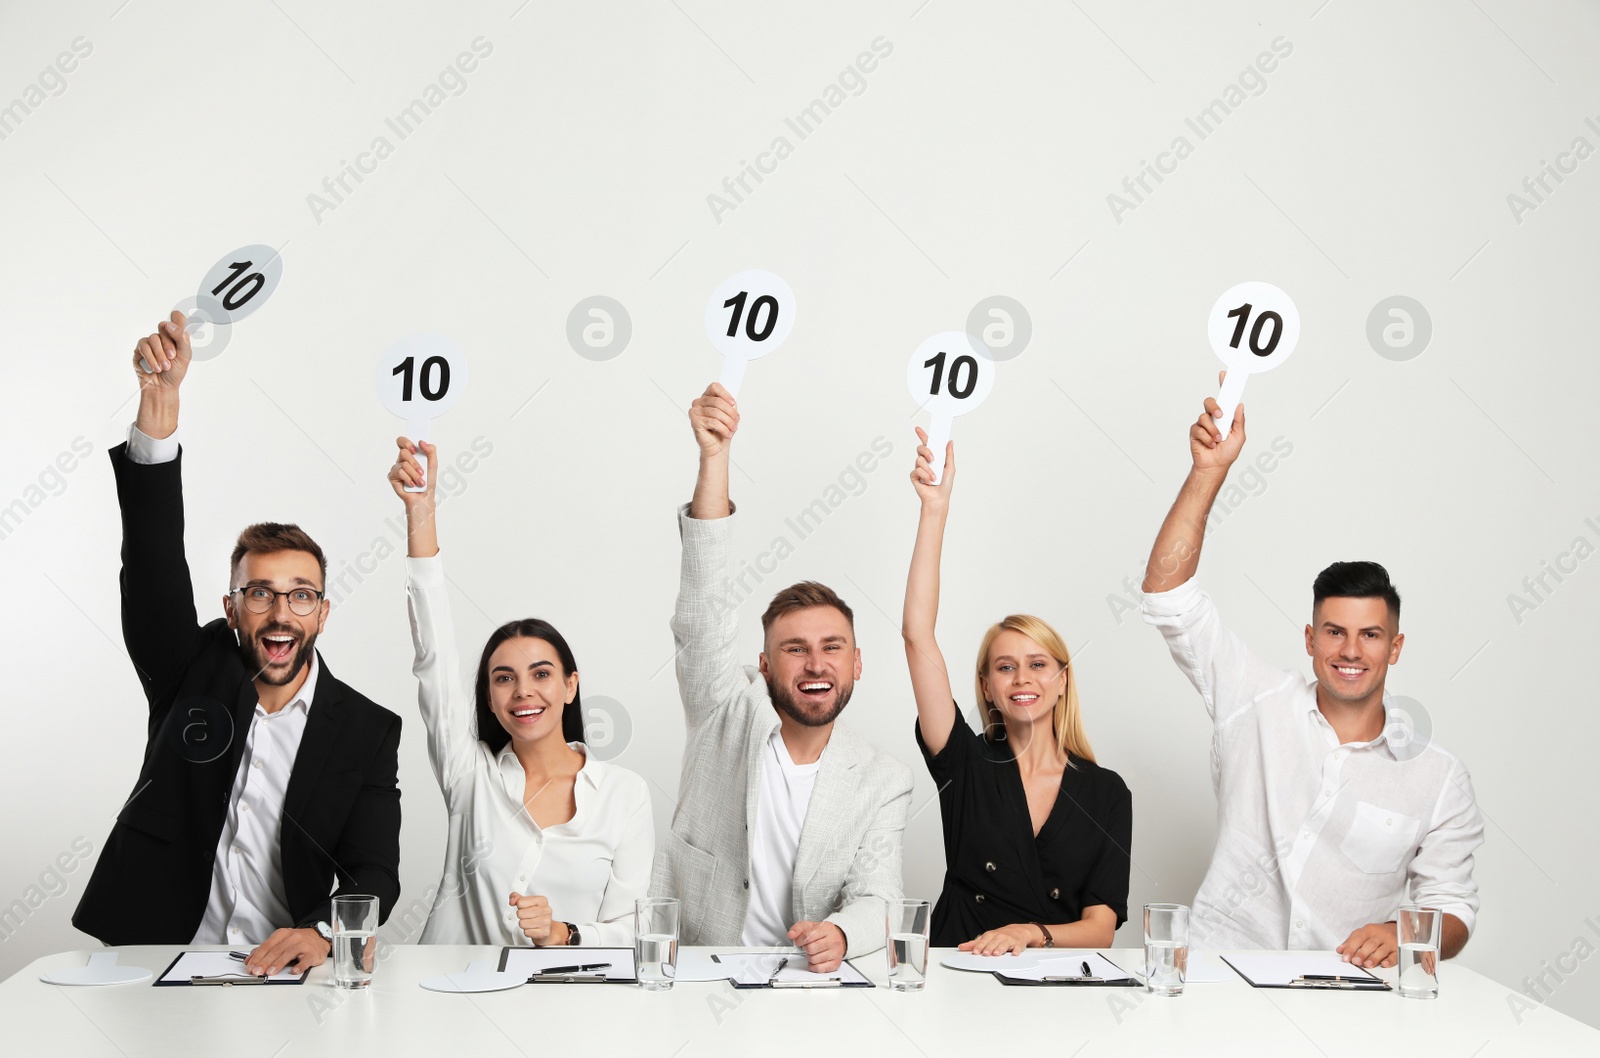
(1376, 156)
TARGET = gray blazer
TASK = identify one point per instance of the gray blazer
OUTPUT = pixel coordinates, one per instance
(848, 863)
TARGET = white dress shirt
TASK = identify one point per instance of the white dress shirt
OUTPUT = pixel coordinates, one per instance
(591, 868)
(247, 900)
(1314, 839)
(775, 842)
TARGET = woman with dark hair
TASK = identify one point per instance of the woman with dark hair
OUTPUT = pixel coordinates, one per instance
(547, 845)
(1036, 834)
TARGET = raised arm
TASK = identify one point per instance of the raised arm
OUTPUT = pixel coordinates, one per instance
(159, 624)
(705, 620)
(715, 418)
(1176, 554)
(446, 711)
(930, 680)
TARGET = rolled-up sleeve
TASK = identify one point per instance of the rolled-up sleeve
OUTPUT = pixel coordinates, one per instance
(1440, 874)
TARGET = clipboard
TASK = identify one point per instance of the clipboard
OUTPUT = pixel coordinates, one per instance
(1304, 970)
(217, 968)
(1054, 972)
(578, 966)
(784, 970)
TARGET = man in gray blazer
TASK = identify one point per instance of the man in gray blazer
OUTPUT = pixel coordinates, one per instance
(787, 830)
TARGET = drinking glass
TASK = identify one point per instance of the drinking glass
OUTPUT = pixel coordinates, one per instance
(1166, 948)
(907, 947)
(355, 940)
(1418, 930)
(655, 945)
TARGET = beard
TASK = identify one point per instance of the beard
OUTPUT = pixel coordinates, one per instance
(802, 713)
(255, 659)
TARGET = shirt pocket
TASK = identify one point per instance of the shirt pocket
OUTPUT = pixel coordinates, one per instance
(692, 875)
(1379, 838)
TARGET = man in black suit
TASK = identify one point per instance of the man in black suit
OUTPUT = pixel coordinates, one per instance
(265, 780)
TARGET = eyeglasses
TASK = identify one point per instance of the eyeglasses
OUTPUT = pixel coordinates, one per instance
(259, 599)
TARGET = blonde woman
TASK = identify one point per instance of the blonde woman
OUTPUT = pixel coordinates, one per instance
(1036, 834)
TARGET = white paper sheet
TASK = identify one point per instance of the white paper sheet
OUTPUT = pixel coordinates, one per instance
(479, 976)
(695, 966)
(1069, 964)
(758, 969)
(529, 961)
(1204, 968)
(1269, 968)
(217, 964)
(1008, 963)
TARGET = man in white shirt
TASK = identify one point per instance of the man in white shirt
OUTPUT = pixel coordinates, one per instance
(788, 829)
(265, 780)
(1329, 806)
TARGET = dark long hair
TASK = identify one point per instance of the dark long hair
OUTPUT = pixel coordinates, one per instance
(490, 731)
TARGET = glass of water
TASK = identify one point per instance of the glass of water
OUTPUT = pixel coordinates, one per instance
(355, 940)
(907, 946)
(1166, 948)
(1418, 930)
(655, 944)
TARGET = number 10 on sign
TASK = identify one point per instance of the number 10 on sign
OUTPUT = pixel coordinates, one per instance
(748, 316)
(419, 378)
(950, 374)
(1253, 327)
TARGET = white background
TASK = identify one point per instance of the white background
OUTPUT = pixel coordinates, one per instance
(977, 161)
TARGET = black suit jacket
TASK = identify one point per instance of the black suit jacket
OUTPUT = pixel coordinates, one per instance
(341, 811)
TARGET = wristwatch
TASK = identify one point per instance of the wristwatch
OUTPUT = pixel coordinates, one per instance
(574, 938)
(1049, 940)
(325, 931)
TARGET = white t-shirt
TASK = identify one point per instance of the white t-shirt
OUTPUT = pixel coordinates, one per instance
(780, 815)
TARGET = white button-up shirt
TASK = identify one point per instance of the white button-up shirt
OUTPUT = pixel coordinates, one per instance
(247, 901)
(1314, 839)
(591, 868)
(247, 898)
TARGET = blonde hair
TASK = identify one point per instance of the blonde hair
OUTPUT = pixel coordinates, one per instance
(1066, 719)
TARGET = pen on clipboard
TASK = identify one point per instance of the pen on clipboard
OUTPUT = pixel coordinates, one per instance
(582, 968)
(1335, 981)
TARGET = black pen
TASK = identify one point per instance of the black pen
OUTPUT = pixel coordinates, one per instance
(584, 968)
(239, 955)
(1086, 971)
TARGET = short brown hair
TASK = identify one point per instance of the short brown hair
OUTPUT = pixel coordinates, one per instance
(264, 537)
(803, 596)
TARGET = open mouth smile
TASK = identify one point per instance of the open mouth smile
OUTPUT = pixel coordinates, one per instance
(278, 648)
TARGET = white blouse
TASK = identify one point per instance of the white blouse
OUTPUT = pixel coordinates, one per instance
(591, 868)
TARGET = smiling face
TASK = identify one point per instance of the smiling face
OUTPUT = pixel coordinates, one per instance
(1352, 642)
(1023, 680)
(528, 689)
(276, 645)
(811, 664)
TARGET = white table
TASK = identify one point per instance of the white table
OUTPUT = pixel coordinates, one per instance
(958, 1014)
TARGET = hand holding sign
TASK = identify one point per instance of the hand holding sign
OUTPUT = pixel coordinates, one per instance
(236, 286)
(749, 315)
(419, 378)
(1253, 327)
(950, 374)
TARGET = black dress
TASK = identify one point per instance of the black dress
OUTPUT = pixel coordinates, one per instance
(997, 872)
